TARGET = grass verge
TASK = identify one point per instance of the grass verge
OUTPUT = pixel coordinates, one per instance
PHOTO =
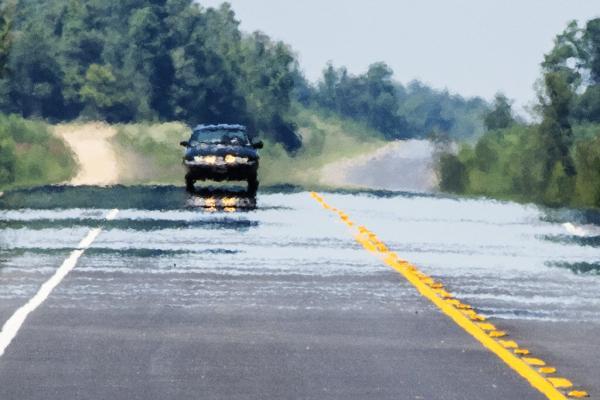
(31, 155)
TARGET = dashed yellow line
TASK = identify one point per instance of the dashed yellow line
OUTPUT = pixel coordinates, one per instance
(534, 370)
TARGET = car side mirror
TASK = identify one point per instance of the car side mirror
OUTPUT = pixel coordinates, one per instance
(184, 143)
(258, 145)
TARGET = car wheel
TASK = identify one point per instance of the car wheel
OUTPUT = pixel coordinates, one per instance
(189, 183)
(253, 185)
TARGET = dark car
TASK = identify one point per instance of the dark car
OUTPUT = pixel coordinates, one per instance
(221, 153)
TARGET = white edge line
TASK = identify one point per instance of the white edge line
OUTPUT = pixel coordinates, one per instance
(13, 324)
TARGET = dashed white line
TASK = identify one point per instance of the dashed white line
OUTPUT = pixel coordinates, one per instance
(13, 324)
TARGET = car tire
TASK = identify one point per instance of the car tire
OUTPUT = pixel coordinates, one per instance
(189, 184)
(253, 185)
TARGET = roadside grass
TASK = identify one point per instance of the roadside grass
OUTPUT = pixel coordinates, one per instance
(31, 155)
(150, 153)
(326, 139)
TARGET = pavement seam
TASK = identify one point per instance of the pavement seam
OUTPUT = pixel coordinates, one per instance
(11, 327)
(534, 370)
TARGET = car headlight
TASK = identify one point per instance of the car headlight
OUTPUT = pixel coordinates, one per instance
(231, 159)
(206, 159)
(210, 159)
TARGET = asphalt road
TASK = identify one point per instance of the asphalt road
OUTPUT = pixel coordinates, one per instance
(177, 298)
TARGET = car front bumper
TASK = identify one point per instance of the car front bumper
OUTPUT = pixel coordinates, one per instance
(221, 171)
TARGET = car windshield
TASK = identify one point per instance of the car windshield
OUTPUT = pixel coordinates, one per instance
(224, 136)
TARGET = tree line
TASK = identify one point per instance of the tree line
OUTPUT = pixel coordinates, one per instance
(400, 112)
(162, 60)
(555, 161)
(145, 60)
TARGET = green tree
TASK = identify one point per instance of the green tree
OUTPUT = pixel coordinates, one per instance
(6, 15)
(555, 129)
(559, 187)
(148, 61)
(35, 84)
(428, 110)
(371, 98)
(268, 81)
(501, 115)
(102, 94)
(81, 44)
(591, 40)
(8, 159)
(453, 174)
(587, 105)
(587, 158)
(567, 56)
(576, 56)
(555, 162)
(327, 87)
(203, 90)
(383, 101)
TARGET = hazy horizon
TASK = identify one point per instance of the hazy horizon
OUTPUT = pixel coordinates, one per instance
(472, 48)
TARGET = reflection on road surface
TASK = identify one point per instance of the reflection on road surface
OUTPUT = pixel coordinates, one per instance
(278, 300)
(227, 200)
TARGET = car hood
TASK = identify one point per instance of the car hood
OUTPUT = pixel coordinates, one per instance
(205, 149)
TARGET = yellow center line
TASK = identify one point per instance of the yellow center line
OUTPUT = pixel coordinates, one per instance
(533, 370)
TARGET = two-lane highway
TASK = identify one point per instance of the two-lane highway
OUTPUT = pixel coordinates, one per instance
(183, 297)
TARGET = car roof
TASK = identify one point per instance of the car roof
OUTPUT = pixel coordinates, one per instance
(219, 127)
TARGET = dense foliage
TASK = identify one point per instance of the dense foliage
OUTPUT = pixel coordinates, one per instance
(414, 111)
(6, 14)
(555, 162)
(172, 60)
(146, 60)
